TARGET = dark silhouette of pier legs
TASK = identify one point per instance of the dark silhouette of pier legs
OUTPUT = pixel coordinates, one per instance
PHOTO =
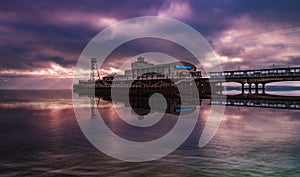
(256, 88)
(263, 88)
(243, 88)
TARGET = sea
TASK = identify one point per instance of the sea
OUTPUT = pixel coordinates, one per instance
(40, 136)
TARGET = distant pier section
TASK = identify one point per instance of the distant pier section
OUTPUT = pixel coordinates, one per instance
(257, 78)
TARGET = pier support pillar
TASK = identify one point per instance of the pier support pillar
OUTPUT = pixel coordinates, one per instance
(243, 88)
(250, 84)
(256, 88)
(263, 88)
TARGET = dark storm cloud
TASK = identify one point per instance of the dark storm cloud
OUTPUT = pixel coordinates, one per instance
(30, 43)
(268, 9)
(215, 16)
(231, 51)
(36, 34)
(260, 9)
(144, 45)
(41, 22)
(35, 27)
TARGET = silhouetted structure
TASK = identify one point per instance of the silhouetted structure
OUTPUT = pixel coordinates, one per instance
(147, 76)
(259, 77)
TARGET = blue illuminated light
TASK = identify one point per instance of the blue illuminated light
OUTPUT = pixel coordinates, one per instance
(183, 67)
(183, 109)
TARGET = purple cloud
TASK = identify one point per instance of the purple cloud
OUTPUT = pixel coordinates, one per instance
(37, 35)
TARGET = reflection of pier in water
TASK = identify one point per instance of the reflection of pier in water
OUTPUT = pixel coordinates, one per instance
(260, 100)
(94, 102)
(176, 105)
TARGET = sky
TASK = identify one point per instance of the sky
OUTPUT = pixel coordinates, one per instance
(41, 41)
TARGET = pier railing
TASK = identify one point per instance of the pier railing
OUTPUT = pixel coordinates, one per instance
(294, 71)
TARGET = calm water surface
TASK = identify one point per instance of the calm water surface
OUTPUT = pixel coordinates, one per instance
(40, 137)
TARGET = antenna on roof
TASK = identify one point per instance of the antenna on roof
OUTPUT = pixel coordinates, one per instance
(94, 70)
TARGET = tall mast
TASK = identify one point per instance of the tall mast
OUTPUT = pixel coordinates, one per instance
(94, 69)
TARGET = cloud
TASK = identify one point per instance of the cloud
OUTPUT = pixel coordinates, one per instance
(176, 9)
(256, 45)
(94, 20)
(35, 36)
(52, 70)
(36, 82)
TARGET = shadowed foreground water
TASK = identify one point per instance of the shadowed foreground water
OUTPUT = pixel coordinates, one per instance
(40, 137)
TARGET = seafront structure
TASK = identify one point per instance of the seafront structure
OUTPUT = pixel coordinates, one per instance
(141, 69)
(144, 75)
(166, 77)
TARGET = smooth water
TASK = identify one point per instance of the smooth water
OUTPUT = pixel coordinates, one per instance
(40, 137)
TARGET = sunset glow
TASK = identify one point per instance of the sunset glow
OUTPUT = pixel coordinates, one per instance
(47, 43)
(54, 71)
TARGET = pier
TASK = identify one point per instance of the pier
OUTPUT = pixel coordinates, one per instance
(145, 76)
(257, 78)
